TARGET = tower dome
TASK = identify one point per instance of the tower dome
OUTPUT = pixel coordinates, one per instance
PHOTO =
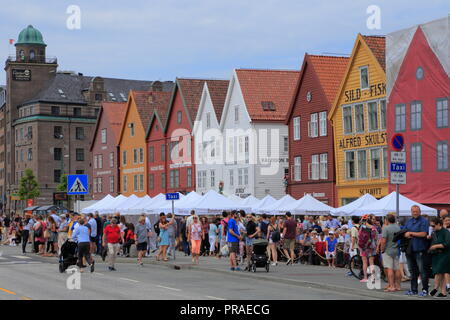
(30, 35)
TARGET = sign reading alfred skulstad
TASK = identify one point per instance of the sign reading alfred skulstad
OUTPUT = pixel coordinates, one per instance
(21, 74)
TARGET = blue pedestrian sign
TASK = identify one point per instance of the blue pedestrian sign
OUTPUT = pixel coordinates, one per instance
(77, 184)
(173, 196)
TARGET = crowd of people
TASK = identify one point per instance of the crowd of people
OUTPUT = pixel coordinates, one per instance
(408, 249)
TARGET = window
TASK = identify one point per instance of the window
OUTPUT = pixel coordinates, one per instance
(131, 126)
(416, 157)
(362, 164)
(375, 163)
(364, 77)
(240, 176)
(297, 168)
(285, 144)
(236, 114)
(373, 116)
(141, 155)
(100, 183)
(442, 156)
(57, 132)
(57, 154)
(324, 166)
(213, 178)
(135, 183)
(348, 120)
(57, 176)
(199, 179)
(297, 128)
(100, 161)
(95, 162)
(111, 160)
(80, 154)
(314, 167)
(79, 133)
(141, 182)
(350, 164)
(189, 177)
(174, 178)
(163, 152)
(442, 113)
(21, 155)
(135, 156)
(55, 111)
(32, 55)
(246, 149)
(95, 185)
(400, 117)
(103, 133)
(213, 147)
(245, 176)
(77, 112)
(29, 135)
(125, 183)
(231, 174)
(111, 184)
(359, 117)
(313, 126)
(124, 158)
(163, 180)
(30, 154)
(208, 120)
(151, 181)
(383, 114)
(151, 154)
(179, 117)
(385, 162)
(323, 123)
(416, 115)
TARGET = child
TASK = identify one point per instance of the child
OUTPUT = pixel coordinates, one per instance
(331, 245)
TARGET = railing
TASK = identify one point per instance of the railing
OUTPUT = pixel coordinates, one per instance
(36, 59)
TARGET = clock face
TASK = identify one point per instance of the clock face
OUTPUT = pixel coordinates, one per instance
(419, 73)
(308, 96)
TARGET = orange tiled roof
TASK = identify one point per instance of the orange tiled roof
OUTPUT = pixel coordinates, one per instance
(115, 113)
(275, 86)
(148, 101)
(329, 70)
(218, 92)
(378, 46)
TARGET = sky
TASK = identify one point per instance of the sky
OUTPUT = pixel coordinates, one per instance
(165, 39)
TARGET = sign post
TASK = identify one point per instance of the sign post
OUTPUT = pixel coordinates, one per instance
(173, 196)
(398, 167)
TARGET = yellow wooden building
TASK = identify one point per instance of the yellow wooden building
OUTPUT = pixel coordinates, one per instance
(358, 118)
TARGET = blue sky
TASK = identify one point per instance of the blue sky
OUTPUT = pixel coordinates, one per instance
(163, 39)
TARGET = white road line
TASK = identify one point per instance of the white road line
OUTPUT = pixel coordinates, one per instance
(126, 279)
(21, 257)
(168, 288)
(215, 298)
(2, 258)
(100, 274)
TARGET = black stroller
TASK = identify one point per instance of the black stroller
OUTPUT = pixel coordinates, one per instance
(259, 257)
(68, 256)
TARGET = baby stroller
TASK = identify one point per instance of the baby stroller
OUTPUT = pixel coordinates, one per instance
(259, 257)
(68, 256)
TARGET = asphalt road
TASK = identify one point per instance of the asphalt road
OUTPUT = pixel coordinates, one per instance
(31, 277)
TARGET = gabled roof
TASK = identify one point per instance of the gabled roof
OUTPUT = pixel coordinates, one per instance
(191, 93)
(329, 71)
(377, 48)
(160, 110)
(115, 115)
(218, 92)
(274, 86)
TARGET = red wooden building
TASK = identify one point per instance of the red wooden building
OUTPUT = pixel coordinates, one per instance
(311, 156)
(418, 72)
(104, 150)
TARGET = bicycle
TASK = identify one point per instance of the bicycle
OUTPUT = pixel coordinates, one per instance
(356, 267)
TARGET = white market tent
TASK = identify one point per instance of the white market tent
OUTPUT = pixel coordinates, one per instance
(213, 203)
(250, 201)
(111, 206)
(138, 206)
(388, 205)
(184, 202)
(349, 208)
(309, 205)
(235, 198)
(98, 204)
(133, 199)
(264, 202)
(279, 206)
(158, 202)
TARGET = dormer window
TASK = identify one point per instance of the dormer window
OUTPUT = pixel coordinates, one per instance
(364, 77)
(268, 105)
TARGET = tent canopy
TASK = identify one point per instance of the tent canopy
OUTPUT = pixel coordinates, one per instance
(309, 205)
(122, 207)
(91, 209)
(279, 206)
(184, 202)
(264, 202)
(110, 207)
(250, 201)
(138, 206)
(348, 209)
(388, 205)
(213, 203)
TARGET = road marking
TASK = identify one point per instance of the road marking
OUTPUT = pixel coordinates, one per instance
(215, 298)
(168, 288)
(7, 291)
(100, 274)
(21, 257)
(126, 279)
(2, 258)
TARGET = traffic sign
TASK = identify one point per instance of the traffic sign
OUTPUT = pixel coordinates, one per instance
(398, 177)
(398, 142)
(77, 184)
(398, 167)
(173, 196)
(398, 157)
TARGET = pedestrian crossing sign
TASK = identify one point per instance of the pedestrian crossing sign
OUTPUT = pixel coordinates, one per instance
(77, 184)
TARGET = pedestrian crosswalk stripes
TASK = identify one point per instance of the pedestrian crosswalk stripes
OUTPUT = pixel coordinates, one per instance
(21, 257)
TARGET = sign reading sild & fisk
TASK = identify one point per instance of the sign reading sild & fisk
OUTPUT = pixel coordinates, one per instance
(21, 74)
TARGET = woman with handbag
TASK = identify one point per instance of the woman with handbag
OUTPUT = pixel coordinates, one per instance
(440, 251)
(164, 237)
(39, 228)
(51, 235)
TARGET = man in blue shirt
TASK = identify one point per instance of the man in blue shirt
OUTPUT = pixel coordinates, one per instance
(93, 237)
(417, 257)
(332, 223)
(233, 238)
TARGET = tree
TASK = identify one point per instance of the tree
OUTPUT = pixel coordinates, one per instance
(62, 186)
(28, 186)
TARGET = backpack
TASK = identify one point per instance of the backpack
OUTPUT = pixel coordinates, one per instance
(364, 237)
(156, 227)
(276, 236)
